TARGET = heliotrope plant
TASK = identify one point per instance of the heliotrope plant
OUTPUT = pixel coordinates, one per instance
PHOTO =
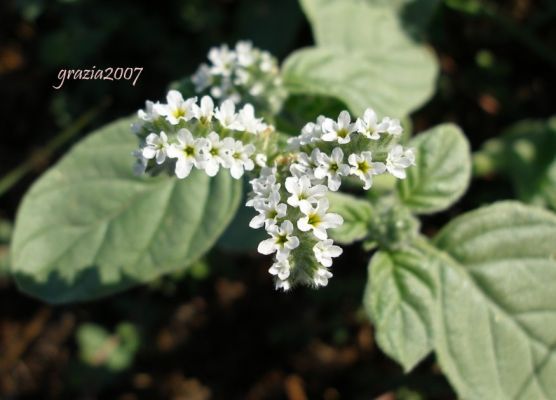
(479, 292)
(289, 186)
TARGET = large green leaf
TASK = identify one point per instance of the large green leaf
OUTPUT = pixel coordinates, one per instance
(357, 215)
(442, 173)
(526, 155)
(399, 297)
(363, 58)
(495, 313)
(88, 227)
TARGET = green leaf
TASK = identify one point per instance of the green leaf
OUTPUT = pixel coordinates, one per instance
(442, 173)
(89, 228)
(495, 312)
(99, 348)
(526, 155)
(399, 296)
(363, 58)
(393, 85)
(357, 215)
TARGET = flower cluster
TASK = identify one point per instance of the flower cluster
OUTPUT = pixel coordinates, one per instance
(297, 200)
(183, 134)
(244, 75)
(290, 196)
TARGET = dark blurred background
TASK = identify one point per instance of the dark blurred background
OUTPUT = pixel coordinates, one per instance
(220, 330)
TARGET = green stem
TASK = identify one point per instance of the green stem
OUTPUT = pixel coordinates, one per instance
(37, 158)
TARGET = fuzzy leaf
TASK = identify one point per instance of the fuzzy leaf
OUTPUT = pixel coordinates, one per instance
(357, 215)
(442, 173)
(495, 313)
(88, 228)
(363, 58)
(398, 297)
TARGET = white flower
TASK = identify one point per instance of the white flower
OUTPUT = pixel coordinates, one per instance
(305, 165)
(284, 285)
(325, 251)
(189, 152)
(245, 53)
(281, 242)
(226, 115)
(332, 167)
(202, 79)
(224, 89)
(149, 113)
(338, 130)
(302, 191)
(321, 277)
(267, 62)
(269, 211)
(261, 159)
(248, 120)
(257, 89)
(364, 167)
(280, 269)
(392, 126)
(368, 125)
(176, 107)
(265, 186)
(398, 160)
(241, 77)
(156, 147)
(218, 153)
(222, 60)
(203, 112)
(317, 220)
(240, 160)
(265, 183)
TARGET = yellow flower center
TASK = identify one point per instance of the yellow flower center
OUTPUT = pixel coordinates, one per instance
(364, 167)
(314, 219)
(178, 113)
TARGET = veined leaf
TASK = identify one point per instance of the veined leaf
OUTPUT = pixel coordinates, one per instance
(399, 298)
(442, 173)
(357, 215)
(495, 313)
(363, 58)
(88, 228)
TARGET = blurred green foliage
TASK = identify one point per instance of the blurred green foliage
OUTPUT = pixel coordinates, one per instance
(491, 76)
(98, 348)
(525, 154)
